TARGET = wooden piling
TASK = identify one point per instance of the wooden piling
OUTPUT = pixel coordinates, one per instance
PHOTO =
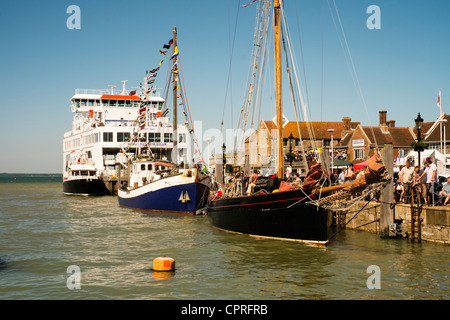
(387, 195)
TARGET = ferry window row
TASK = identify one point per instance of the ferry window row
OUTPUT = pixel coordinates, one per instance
(114, 103)
(72, 144)
(92, 138)
(152, 137)
(156, 137)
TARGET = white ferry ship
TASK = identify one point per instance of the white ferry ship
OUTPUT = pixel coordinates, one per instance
(103, 124)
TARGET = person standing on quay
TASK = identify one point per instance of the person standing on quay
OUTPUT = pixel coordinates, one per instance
(406, 179)
(431, 174)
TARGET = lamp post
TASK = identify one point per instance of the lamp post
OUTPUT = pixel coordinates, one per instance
(419, 122)
(224, 161)
(332, 151)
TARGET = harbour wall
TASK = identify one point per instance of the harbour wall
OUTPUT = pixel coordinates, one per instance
(435, 220)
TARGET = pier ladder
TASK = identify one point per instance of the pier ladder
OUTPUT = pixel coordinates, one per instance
(416, 214)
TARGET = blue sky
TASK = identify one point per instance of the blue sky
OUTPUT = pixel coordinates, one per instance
(400, 67)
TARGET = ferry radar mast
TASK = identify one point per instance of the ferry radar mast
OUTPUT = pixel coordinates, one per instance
(124, 90)
(112, 88)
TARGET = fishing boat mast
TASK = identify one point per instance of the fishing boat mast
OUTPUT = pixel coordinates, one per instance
(175, 86)
(277, 44)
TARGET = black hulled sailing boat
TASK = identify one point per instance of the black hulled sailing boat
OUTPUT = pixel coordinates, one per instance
(298, 214)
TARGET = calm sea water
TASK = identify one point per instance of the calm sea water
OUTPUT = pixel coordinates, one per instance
(43, 232)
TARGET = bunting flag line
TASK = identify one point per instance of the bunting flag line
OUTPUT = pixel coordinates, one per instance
(154, 70)
(246, 5)
(163, 52)
(150, 81)
(152, 76)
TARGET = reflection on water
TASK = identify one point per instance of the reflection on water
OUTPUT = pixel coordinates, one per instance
(42, 232)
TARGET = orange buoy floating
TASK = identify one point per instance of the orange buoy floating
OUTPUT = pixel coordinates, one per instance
(163, 264)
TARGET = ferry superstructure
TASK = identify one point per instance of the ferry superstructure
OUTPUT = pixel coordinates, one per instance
(104, 122)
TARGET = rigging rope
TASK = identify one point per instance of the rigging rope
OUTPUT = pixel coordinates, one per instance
(352, 65)
(184, 98)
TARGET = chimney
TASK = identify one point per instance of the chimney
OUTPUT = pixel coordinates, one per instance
(383, 118)
(391, 123)
(346, 121)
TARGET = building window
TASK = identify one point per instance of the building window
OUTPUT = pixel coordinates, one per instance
(182, 138)
(154, 137)
(359, 153)
(107, 137)
(123, 136)
(402, 153)
(168, 137)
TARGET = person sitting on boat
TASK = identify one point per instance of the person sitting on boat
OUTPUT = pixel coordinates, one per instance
(341, 177)
(349, 175)
(237, 183)
(244, 182)
(252, 182)
(445, 192)
(297, 178)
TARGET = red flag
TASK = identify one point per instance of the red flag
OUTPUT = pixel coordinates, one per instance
(439, 99)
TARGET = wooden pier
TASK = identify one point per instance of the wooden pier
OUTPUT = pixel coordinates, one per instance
(112, 183)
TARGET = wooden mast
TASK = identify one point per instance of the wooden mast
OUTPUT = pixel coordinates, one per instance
(175, 102)
(277, 43)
